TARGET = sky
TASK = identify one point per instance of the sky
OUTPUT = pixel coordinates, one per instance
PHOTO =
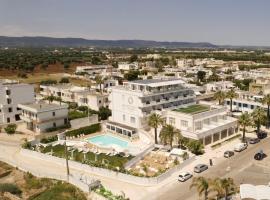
(224, 22)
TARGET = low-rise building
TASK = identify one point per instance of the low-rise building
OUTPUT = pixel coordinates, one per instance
(93, 100)
(260, 86)
(202, 122)
(94, 69)
(128, 66)
(219, 86)
(13, 93)
(41, 117)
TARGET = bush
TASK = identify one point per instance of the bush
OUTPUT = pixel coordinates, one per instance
(76, 114)
(104, 113)
(11, 188)
(84, 130)
(26, 145)
(195, 147)
(64, 80)
(48, 82)
(11, 128)
(48, 139)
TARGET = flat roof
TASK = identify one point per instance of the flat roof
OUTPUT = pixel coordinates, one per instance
(158, 82)
(193, 109)
(40, 107)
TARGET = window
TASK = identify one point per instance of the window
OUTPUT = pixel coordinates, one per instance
(124, 117)
(54, 124)
(19, 108)
(8, 92)
(132, 120)
(9, 101)
(184, 123)
(65, 120)
(53, 113)
(10, 109)
(171, 121)
(8, 120)
(198, 125)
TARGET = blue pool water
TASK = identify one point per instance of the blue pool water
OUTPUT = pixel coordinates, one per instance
(108, 141)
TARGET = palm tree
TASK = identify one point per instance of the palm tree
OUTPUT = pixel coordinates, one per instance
(244, 120)
(266, 101)
(202, 186)
(231, 95)
(154, 121)
(168, 133)
(258, 116)
(50, 99)
(220, 96)
(99, 81)
(223, 187)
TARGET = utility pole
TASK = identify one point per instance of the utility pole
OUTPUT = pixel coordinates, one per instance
(66, 154)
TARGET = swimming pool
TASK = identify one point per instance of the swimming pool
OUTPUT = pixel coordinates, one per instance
(108, 141)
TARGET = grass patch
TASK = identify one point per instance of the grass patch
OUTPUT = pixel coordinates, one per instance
(193, 109)
(101, 160)
(11, 188)
(61, 191)
(109, 195)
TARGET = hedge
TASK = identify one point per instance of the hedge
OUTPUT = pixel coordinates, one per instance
(48, 139)
(84, 130)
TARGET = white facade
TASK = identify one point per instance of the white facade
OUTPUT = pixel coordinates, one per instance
(128, 66)
(41, 117)
(92, 100)
(12, 94)
(132, 103)
(219, 86)
(208, 126)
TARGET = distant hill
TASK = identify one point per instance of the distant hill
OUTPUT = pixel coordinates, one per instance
(80, 42)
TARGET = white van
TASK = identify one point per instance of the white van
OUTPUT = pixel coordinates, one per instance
(240, 147)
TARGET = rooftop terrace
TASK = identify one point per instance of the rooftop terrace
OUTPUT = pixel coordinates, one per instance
(194, 109)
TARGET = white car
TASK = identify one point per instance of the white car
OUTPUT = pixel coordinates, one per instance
(184, 176)
(240, 147)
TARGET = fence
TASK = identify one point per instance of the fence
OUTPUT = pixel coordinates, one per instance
(145, 181)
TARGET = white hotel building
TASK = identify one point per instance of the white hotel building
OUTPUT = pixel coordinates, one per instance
(13, 93)
(132, 102)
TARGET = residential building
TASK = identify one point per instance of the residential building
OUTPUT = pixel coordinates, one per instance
(66, 92)
(94, 69)
(40, 117)
(219, 86)
(260, 86)
(132, 102)
(202, 122)
(92, 100)
(128, 66)
(13, 93)
(153, 56)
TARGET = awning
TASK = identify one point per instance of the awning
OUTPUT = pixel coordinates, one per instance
(258, 192)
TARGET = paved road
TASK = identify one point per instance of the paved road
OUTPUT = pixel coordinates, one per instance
(244, 169)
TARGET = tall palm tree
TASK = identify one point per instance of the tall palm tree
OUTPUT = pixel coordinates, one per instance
(258, 116)
(223, 187)
(154, 121)
(202, 185)
(244, 120)
(168, 134)
(266, 101)
(99, 81)
(220, 96)
(231, 94)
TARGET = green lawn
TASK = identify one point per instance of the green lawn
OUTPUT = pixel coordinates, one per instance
(101, 160)
(193, 109)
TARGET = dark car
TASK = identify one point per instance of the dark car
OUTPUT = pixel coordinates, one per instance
(228, 154)
(259, 156)
(200, 168)
(254, 140)
(262, 135)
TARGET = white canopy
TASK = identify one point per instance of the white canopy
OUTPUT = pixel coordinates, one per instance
(177, 152)
(258, 192)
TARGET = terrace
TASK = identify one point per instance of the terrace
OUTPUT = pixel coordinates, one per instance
(194, 109)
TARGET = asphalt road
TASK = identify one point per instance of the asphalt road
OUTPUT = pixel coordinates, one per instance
(243, 169)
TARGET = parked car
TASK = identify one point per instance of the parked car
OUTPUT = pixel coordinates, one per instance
(254, 140)
(200, 168)
(259, 156)
(262, 135)
(228, 154)
(240, 147)
(184, 176)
